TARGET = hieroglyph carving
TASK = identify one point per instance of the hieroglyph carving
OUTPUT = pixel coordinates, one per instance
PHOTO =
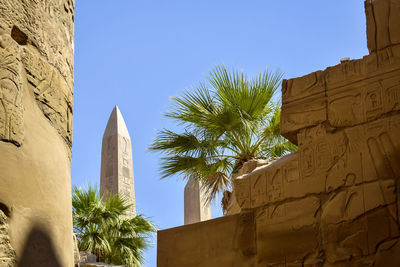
(125, 179)
(52, 92)
(336, 201)
(11, 109)
(48, 26)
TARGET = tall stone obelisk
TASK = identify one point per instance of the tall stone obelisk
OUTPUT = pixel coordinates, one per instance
(116, 160)
(197, 209)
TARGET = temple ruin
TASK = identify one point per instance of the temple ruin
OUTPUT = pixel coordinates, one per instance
(335, 202)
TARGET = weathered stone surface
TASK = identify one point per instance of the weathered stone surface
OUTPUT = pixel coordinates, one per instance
(351, 93)
(116, 160)
(52, 93)
(388, 254)
(7, 253)
(86, 257)
(36, 81)
(383, 27)
(77, 257)
(197, 208)
(11, 109)
(288, 232)
(358, 238)
(227, 241)
(350, 203)
(276, 182)
(334, 202)
(229, 201)
(46, 25)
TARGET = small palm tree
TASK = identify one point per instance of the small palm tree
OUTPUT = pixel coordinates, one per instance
(104, 228)
(227, 122)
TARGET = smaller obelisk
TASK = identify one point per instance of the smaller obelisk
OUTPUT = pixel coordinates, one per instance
(197, 208)
(116, 160)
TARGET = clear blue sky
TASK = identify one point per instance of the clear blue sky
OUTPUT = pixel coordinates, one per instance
(136, 54)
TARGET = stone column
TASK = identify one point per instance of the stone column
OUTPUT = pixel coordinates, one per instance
(36, 87)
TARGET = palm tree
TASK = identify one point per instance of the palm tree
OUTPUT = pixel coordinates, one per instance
(104, 228)
(228, 121)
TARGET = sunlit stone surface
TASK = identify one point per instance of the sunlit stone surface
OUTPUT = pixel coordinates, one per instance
(116, 160)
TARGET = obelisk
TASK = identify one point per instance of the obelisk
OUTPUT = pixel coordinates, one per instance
(116, 160)
(197, 208)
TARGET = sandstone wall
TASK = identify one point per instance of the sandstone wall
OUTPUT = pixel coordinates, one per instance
(226, 241)
(336, 201)
(36, 87)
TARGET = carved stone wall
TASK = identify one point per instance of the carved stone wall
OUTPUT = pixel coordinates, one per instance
(334, 202)
(36, 90)
(11, 110)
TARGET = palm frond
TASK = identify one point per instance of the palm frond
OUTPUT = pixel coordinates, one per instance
(188, 143)
(227, 122)
(104, 228)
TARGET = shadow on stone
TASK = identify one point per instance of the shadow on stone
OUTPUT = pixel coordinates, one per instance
(38, 250)
(5, 209)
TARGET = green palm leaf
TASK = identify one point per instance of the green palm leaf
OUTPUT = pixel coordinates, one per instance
(103, 227)
(228, 121)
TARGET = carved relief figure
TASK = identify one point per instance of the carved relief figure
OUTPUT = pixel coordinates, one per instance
(53, 95)
(11, 110)
(56, 104)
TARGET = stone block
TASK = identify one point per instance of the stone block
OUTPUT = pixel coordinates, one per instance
(350, 93)
(365, 99)
(242, 192)
(302, 87)
(357, 238)
(350, 203)
(300, 114)
(287, 232)
(226, 241)
(383, 23)
(372, 152)
(275, 182)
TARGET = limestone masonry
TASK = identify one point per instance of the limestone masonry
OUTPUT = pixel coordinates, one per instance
(336, 201)
(36, 89)
(116, 160)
